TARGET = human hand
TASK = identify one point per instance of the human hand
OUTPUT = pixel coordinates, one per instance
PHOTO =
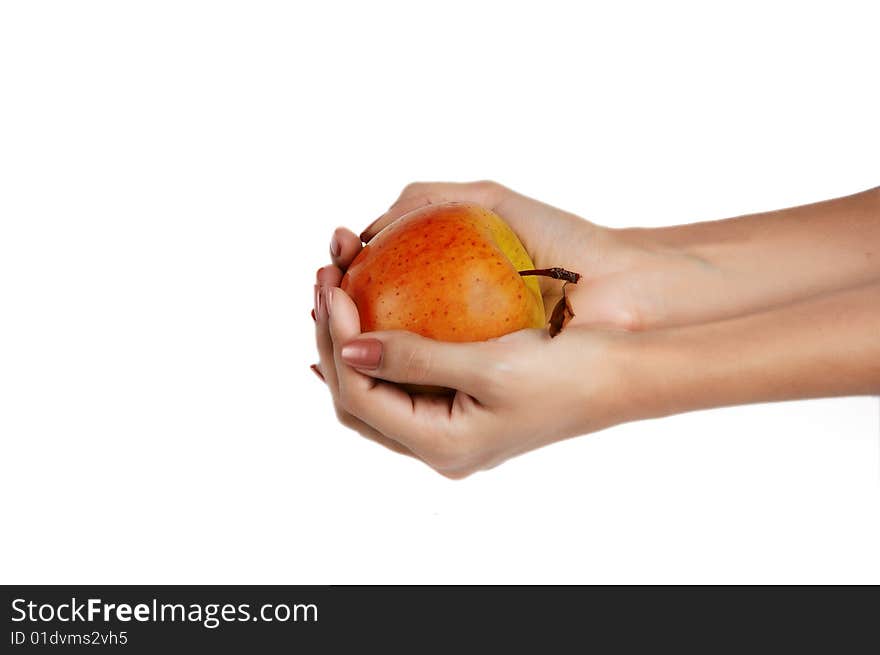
(639, 279)
(526, 390)
(608, 294)
(553, 238)
(523, 390)
(512, 394)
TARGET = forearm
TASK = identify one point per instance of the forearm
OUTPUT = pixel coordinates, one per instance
(707, 271)
(827, 346)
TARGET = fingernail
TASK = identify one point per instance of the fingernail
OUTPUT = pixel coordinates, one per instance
(314, 318)
(365, 234)
(335, 248)
(318, 294)
(317, 372)
(363, 353)
(319, 276)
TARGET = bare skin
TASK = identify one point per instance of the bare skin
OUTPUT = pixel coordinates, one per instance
(773, 306)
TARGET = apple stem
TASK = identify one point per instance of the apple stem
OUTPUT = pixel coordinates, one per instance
(556, 273)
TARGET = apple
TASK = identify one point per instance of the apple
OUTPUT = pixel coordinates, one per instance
(449, 271)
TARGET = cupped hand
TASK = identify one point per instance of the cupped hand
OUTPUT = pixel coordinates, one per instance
(512, 394)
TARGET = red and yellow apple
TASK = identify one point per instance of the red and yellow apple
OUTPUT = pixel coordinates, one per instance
(449, 272)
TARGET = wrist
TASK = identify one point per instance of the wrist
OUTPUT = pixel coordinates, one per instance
(659, 373)
(635, 379)
(663, 283)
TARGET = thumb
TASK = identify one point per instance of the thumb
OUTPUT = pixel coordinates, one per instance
(408, 358)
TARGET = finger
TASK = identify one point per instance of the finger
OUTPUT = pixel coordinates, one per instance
(419, 194)
(323, 340)
(386, 407)
(328, 276)
(344, 247)
(409, 358)
(326, 369)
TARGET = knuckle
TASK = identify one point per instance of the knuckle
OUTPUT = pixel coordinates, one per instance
(498, 372)
(456, 475)
(629, 319)
(349, 402)
(485, 184)
(417, 365)
(412, 189)
(487, 188)
(342, 406)
(351, 422)
(492, 377)
(450, 456)
(344, 416)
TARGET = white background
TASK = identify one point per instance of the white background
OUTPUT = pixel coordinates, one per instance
(170, 173)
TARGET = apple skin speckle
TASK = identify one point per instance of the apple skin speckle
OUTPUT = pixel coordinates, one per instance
(457, 281)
